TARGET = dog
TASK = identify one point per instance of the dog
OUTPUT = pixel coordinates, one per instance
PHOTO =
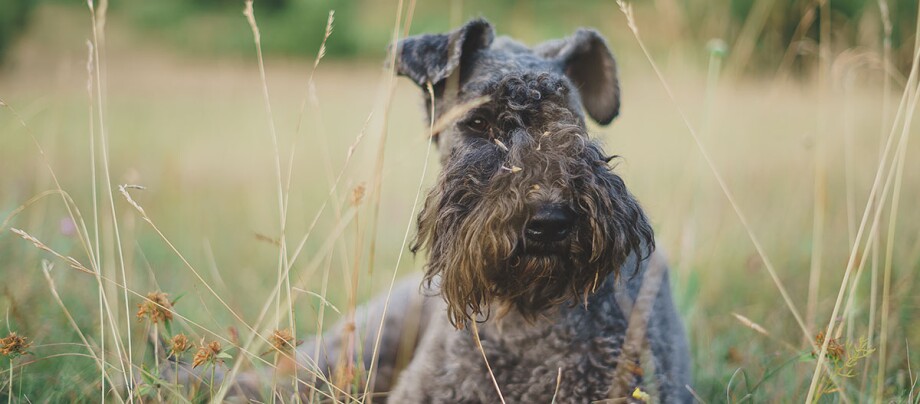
(542, 282)
(531, 238)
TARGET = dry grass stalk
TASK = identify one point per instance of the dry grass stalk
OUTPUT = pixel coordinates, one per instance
(311, 95)
(100, 361)
(38, 244)
(72, 211)
(90, 60)
(819, 207)
(627, 10)
(283, 258)
(187, 264)
(906, 108)
(475, 330)
(283, 341)
(409, 222)
(558, 383)
(322, 46)
(311, 367)
(124, 191)
(763, 331)
(19, 209)
(449, 117)
(746, 43)
(750, 324)
(98, 21)
(105, 304)
(889, 248)
(218, 336)
(384, 132)
(249, 13)
(695, 395)
(835, 350)
(353, 361)
(267, 239)
(245, 349)
(624, 376)
(808, 17)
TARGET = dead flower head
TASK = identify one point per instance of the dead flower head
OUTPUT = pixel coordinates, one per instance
(156, 308)
(357, 194)
(179, 345)
(209, 354)
(835, 350)
(14, 345)
(283, 340)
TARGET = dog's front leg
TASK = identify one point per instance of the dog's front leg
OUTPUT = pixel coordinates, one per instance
(340, 360)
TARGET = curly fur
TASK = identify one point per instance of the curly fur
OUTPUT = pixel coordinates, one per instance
(472, 220)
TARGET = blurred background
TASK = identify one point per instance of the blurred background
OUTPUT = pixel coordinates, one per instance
(794, 100)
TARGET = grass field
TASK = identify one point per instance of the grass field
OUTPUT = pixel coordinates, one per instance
(195, 133)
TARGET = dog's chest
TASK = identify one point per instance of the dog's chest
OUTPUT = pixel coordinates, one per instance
(570, 359)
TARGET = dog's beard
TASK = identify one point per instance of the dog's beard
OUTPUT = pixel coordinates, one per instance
(482, 269)
(472, 224)
(531, 283)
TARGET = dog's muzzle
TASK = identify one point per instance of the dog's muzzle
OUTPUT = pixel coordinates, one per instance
(548, 229)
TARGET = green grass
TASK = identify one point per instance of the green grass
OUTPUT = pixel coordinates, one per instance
(194, 132)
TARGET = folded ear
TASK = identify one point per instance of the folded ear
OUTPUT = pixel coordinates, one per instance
(587, 61)
(433, 57)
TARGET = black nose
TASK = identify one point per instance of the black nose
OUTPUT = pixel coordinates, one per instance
(549, 223)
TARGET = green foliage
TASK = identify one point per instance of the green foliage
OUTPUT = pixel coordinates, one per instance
(794, 25)
(218, 27)
(14, 15)
(845, 364)
(363, 27)
(151, 383)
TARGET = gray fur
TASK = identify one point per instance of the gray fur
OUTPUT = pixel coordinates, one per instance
(550, 320)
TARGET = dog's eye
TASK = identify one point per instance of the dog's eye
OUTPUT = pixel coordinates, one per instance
(478, 124)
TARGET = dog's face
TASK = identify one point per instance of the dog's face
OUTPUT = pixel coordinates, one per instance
(527, 212)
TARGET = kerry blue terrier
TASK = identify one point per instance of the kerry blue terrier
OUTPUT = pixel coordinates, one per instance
(534, 244)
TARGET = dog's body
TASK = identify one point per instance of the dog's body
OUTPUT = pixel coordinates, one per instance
(536, 249)
(530, 235)
(576, 346)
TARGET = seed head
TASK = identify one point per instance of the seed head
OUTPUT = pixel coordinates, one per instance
(835, 350)
(179, 345)
(14, 345)
(156, 308)
(283, 340)
(209, 353)
(357, 194)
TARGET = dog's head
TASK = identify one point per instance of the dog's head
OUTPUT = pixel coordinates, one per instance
(527, 213)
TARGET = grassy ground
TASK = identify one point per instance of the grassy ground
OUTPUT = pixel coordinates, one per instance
(195, 133)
